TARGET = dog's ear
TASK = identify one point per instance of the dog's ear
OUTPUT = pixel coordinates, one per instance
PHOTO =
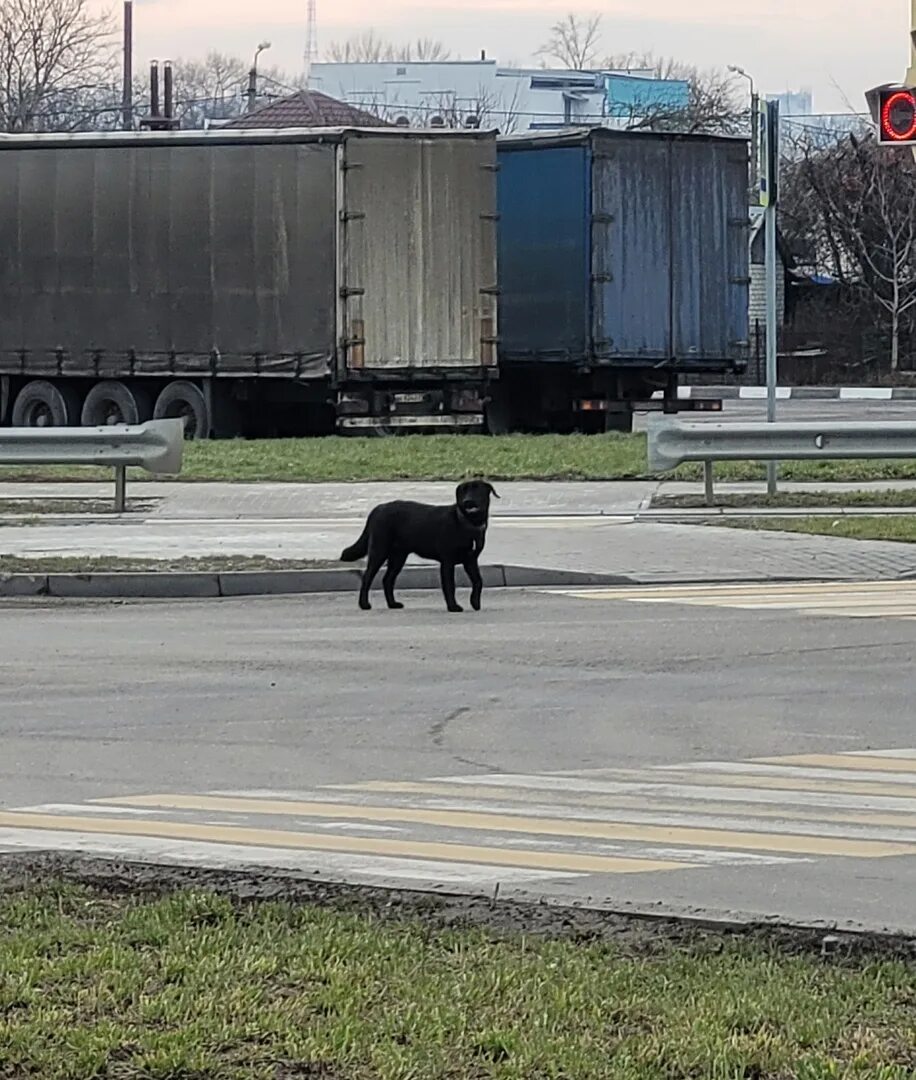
(493, 491)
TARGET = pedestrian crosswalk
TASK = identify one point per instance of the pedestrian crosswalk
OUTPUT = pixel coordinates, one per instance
(512, 829)
(866, 599)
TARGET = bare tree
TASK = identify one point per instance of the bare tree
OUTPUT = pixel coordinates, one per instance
(57, 65)
(574, 42)
(848, 209)
(369, 48)
(710, 105)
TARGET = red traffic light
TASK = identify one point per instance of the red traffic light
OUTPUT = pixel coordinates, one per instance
(897, 116)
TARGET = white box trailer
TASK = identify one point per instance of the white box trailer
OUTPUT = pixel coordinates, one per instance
(254, 282)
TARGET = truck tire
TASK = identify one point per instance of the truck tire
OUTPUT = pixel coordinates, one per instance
(42, 404)
(111, 402)
(4, 397)
(186, 401)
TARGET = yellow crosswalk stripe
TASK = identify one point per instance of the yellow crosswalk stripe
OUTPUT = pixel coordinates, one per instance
(621, 831)
(284, 838)
(861, 763)
(873, 599)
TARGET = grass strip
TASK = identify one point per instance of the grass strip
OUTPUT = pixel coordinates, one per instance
(789, 500)
(196, 986)
(454, 457)
(207, 564)
(900, 527)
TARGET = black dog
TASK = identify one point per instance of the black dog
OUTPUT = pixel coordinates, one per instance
(448, 534)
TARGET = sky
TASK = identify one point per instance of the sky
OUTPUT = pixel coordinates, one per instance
(837, 48)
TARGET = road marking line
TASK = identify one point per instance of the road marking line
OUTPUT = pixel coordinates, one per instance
(775, 782)
(593, 830)
(456, 797)
(689, 791)
(847, 762)
(751, 770)
(282, 838)
(801, 588)
(905, 754)
(326, 863)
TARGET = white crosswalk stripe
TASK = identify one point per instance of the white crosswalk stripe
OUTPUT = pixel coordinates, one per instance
(870, 599)
(515, 830)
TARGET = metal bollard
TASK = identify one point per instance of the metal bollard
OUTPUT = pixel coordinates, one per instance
(120, 500)
(708, 483)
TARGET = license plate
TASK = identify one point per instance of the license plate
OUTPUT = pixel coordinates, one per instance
(409, 399)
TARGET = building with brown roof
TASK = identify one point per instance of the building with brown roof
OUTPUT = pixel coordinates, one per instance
(306, 109)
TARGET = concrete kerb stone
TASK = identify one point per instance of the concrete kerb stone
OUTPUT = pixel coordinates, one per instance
(799, 393)
(170, 585)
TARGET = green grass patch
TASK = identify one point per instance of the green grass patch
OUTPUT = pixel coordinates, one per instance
(788, 500)
(99, 564)
(197, 987)
(899, 527)
(96, 507)
(454, 457)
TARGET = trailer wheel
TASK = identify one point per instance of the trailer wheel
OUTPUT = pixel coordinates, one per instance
(111, 402)
(41, 404)
(183, 400)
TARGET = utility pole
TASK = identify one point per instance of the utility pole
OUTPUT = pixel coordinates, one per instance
(127, 98)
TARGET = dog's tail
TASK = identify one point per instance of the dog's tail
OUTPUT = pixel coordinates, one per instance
(359, 550)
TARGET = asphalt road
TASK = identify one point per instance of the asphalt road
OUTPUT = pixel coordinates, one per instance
(600, 748)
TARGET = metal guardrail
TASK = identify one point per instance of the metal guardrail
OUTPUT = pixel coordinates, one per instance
(673, 442)
(157, 447)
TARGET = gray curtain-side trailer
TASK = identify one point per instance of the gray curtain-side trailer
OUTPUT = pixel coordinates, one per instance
(623, 260)
(254, 282)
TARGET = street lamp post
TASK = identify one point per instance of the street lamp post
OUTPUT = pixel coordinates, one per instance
(253, 77)
(755, 116)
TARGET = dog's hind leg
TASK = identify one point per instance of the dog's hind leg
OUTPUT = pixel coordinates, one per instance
(395, 565)
(447, 577)
(373, 565)
(473, 572)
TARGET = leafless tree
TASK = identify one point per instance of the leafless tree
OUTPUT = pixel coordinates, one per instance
(369, 48)
(57, 65)
(712, 105)
(848, 210)
(574, 42)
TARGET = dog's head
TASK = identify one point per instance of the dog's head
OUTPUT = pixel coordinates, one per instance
(473, 499)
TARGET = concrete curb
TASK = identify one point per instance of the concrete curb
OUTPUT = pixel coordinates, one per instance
(166, 585)
(799, 393)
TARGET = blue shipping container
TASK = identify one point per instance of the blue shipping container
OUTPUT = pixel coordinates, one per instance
(624, 249)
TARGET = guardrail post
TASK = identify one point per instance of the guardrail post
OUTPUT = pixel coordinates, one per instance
(120, 502)
(710, 495)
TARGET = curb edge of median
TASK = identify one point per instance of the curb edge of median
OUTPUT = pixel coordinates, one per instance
(182, 585)
(167, 585)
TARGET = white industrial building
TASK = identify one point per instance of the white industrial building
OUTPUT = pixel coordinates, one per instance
(483, 93)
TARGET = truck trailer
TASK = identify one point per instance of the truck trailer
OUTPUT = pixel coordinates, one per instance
(623, 262)
(253, 282)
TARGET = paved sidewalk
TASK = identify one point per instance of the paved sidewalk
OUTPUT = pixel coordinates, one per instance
(572, 526)
(644, 551)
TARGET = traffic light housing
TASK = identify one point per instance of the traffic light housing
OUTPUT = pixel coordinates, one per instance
(893, 109)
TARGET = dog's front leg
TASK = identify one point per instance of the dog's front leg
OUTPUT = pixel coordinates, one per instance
(447, 576)
(472, 569)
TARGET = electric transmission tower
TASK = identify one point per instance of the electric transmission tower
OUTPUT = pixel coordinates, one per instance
(311, 37)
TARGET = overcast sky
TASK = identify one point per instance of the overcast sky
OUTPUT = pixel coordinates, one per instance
(838, 48)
